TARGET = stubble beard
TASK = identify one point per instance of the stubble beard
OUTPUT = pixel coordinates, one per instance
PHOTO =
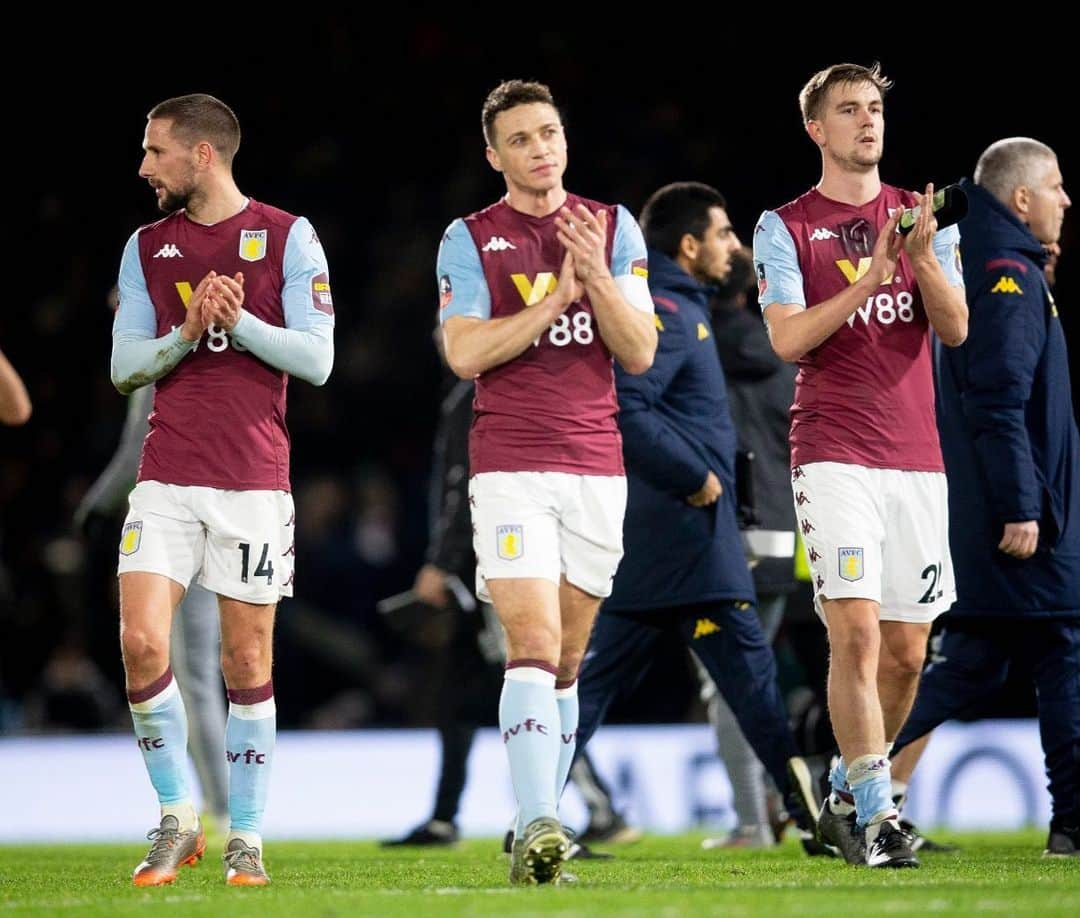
(173, 201)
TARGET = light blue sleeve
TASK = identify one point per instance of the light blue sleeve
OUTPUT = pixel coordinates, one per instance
(947, 252)
(463, 289)
(630, 260)
(304, 261)
(628, 247)
(136, 313)
(780, 279)
(138, 356)
(304, 348)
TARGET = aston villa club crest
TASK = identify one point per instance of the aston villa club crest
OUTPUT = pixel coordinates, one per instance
(851, 564)
(131, 538)
(252, 244)
(510, 542)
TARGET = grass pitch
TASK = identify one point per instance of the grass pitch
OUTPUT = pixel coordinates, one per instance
(660, 876)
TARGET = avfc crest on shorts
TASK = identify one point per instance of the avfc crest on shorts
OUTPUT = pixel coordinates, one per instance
(252, 244)
(510, 542)
(851, 563)
(131, 538)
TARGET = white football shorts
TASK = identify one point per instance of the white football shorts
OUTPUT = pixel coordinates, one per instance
(546, 524)
(879, 534)
(238, 544)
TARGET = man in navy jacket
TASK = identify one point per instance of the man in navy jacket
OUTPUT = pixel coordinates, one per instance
(684, 566)
(1012, 457)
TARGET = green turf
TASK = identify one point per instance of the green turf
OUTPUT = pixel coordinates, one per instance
(660, 876)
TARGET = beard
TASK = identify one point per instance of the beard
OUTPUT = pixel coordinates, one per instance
(172, 201)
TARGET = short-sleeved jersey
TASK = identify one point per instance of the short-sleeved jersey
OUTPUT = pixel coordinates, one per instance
(219, 415)
(865, 395)
(553, 407)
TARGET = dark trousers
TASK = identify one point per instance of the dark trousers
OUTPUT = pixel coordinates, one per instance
(973, 660)
(726, 637)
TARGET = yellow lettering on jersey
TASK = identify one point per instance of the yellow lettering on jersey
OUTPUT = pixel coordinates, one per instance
(533, 293)
(184, 289)
(656, 321)
(1006, 284)
(853, 274)
(702, 331)
(704, 627)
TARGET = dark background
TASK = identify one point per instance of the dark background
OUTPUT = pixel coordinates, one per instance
(374, 135)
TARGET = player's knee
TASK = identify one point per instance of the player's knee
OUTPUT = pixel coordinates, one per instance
(143, 648)
(855, 643)
(243, 663)
(905, 662)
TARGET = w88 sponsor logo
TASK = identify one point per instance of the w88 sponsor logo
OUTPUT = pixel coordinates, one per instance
(885, 309)
(575, 329)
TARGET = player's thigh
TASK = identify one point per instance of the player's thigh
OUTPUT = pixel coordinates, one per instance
(592, 508)
(918, 581)
(249, 544)
(246, 625)
(515, 528)
(842, 520)
(162, 534)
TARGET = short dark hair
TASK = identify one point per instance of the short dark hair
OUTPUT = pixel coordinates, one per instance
(813, 94)
(509, 94)
(197, 117)
(675, 210)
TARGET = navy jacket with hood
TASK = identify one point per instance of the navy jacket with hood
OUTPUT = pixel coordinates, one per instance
(1008, 434)
(676, 426)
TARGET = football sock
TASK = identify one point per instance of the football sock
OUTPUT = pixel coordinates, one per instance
(871, 787)
(250, 733)
(529, 722)
(566, 697)
(161, 729)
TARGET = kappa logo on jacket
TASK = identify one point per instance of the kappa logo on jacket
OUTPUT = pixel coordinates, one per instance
(1006, 284)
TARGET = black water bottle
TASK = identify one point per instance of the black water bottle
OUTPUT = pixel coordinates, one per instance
(950, 206)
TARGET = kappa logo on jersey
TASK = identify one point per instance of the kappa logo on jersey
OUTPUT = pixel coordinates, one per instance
(131, 538)
(498, 244)
(510, 542)
(1006, 284)
(851, 564)
(705, 627)
(446, 291)
(532, 292)
(169, 250)
(321, 298)
(822, 233)
(252, 244)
